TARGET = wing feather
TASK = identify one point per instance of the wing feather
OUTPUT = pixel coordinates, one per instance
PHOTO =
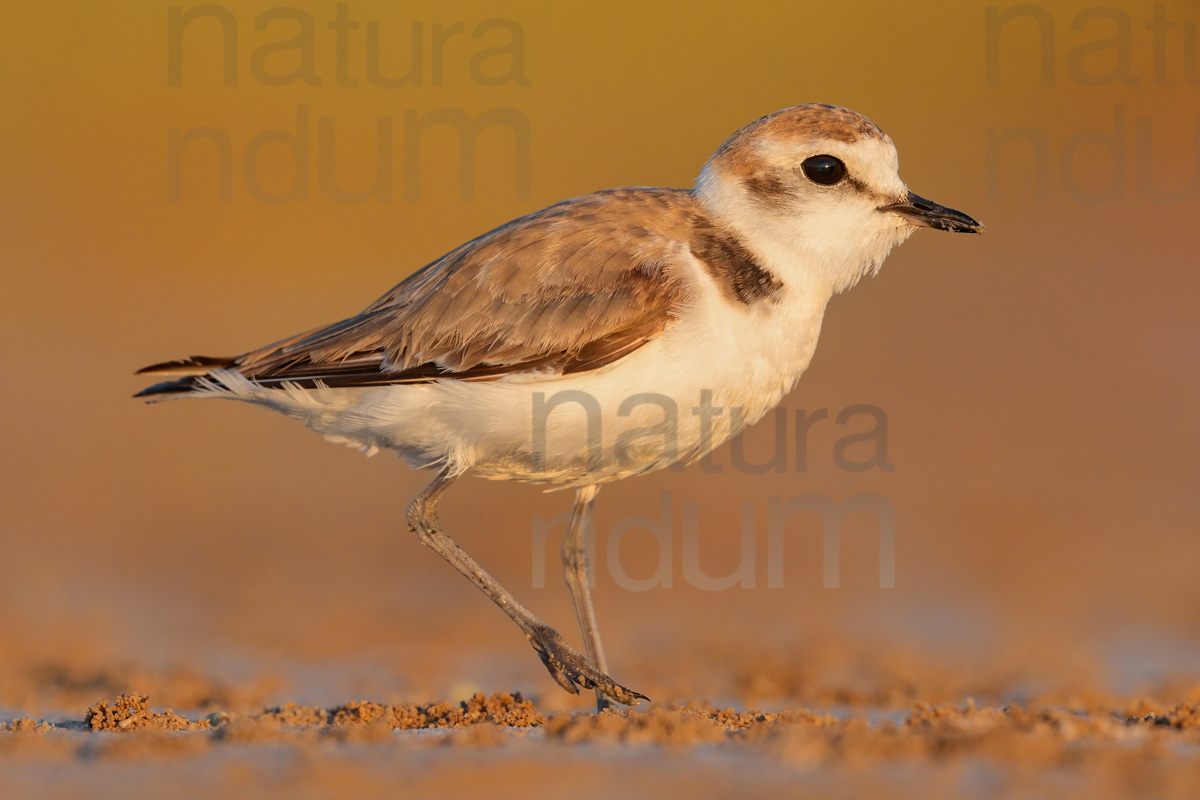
(573, 287)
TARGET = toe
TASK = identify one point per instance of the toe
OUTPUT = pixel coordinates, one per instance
(572, 671)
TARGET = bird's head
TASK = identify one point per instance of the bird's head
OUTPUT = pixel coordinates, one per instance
(817, 188)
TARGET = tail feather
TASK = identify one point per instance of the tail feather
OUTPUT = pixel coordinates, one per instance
(195, 365)
(191, 368)
(160, 391)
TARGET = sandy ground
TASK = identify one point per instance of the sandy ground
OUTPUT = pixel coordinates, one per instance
(1039, 387)
(814, 741)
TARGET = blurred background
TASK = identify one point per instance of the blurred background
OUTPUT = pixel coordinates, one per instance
(206, 189)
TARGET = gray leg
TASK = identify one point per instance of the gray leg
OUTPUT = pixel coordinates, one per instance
(575, 570)
(569, 668)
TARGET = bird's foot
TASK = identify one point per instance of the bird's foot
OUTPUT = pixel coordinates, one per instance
(572, 671)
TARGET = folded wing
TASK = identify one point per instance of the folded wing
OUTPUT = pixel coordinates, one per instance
(570, 288)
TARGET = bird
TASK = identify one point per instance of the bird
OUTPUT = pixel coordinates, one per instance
(570, 347)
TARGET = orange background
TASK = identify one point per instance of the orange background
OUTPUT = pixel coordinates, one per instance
(1040, 382)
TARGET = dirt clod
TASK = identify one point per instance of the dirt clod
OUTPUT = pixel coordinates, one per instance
(501, 708)
(26, 725)
(132, 711)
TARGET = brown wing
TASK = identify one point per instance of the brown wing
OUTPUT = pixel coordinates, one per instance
(569, 288)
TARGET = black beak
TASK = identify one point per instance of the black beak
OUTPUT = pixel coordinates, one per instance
(928, 214)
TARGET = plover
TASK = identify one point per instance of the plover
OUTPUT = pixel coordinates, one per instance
(573, 346)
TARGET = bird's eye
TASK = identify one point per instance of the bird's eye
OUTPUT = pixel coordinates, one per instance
(825, 170)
